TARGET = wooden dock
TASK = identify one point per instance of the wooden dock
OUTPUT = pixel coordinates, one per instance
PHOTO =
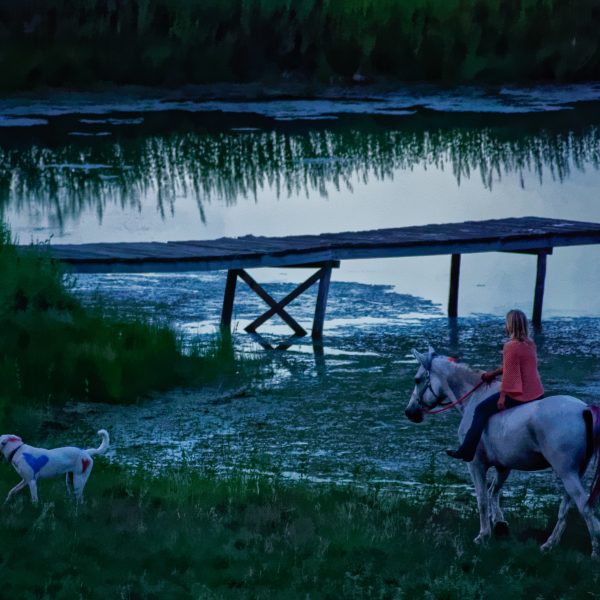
(531, 235)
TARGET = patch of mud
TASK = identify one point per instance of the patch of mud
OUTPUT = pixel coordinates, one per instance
(334, 416)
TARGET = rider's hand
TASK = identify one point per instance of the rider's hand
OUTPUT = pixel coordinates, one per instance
(488, 376)
(501, 403)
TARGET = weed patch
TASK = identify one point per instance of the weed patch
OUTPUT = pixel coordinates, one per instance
(190, 534)
(53, 348)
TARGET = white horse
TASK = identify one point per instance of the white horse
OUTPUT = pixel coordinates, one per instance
(560, 432)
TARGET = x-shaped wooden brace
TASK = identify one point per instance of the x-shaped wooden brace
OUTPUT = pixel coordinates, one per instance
(323, 275)
(276, 307)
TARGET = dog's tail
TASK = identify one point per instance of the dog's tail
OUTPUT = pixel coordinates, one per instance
(103, 446)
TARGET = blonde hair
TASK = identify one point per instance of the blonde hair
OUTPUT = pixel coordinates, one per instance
(517, 325)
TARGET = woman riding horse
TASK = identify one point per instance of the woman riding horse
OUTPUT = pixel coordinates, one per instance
(520, 382)
(562, 433)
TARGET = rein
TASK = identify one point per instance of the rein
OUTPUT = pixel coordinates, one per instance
(456, 402)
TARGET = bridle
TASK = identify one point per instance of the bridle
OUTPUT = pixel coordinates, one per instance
(439, 398)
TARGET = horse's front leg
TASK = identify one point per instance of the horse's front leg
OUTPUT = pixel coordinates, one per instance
(478, 473)
(499, 523)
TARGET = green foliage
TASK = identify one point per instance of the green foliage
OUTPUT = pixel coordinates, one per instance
(53, 348)
(187, 534)
(57, 42)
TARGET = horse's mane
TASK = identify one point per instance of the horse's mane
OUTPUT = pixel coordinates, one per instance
(466, 367)
(461, 367)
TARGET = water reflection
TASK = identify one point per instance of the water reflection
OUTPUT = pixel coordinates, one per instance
(196, 156)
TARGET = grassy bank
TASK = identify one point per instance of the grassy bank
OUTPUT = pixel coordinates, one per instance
(191, 535)
(53, 348)
(57, 42)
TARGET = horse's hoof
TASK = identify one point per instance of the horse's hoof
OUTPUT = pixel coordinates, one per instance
(481, 539)
(546, 547)
(501, 529)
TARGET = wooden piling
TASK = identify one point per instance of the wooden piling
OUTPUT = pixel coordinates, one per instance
(454, 280)
(323, 292)
(228, 299)
(538, 298)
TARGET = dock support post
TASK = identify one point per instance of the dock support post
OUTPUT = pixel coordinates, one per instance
(454, 279)
(228, 299)
(323, 292)
(538, 298)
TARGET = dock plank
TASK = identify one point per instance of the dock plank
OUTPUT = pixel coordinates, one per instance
(512, 234)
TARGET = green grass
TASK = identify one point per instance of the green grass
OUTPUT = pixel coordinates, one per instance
(171, 42)
(53, 348)
(186, 534)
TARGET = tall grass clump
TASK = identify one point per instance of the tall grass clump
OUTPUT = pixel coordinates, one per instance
(59, 42)
(54, 348)
(187, 534)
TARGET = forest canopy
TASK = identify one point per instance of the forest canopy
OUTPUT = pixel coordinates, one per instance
(174, 42)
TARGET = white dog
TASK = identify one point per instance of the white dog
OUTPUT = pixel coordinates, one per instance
(38, 463)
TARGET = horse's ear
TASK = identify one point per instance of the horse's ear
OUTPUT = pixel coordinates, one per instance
(431, 350)
(424, 359)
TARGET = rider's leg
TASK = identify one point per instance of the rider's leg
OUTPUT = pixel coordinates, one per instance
(482, 413)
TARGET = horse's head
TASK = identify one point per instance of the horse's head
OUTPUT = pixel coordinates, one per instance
(430, 387)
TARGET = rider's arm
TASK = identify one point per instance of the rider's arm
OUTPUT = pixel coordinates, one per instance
(489, 376)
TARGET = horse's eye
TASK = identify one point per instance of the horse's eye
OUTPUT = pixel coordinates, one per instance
(418, 380)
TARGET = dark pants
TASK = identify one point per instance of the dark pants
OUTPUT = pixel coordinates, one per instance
(482, 414)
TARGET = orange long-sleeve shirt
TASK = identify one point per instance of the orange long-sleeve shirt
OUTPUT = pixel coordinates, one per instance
(520, 377)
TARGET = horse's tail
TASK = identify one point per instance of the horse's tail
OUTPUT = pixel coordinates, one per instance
(592, 419)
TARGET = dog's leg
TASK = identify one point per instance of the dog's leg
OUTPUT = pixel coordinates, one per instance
(16, 489)
(78, 485)
(79, 481)
(33, 490)
(69, 482)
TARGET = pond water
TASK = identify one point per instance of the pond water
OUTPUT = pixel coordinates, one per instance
(92, 168)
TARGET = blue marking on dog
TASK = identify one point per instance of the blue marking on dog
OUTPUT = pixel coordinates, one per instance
(36, 463)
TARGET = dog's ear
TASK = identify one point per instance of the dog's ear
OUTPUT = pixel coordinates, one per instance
(8, 438)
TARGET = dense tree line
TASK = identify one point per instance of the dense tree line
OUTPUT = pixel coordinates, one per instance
(80, 42)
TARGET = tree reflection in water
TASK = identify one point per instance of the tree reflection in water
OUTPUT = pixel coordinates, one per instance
(215, 159)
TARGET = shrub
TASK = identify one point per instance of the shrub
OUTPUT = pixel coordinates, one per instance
(53, 348)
